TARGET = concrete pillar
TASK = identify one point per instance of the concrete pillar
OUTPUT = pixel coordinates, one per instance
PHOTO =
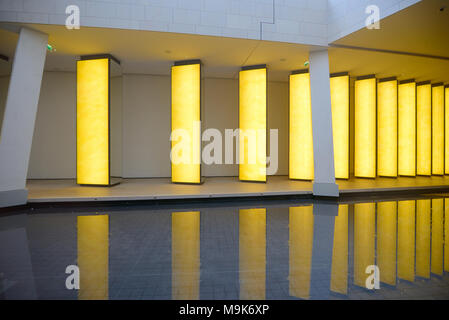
(323, 144)
(323, 239)
(20, 115)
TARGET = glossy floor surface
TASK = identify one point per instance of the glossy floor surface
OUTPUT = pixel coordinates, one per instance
(64, 190)
(229, 250)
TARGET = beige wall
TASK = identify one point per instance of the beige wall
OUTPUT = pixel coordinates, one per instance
(145, 123)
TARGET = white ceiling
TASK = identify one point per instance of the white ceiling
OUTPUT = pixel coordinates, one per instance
(422, 28)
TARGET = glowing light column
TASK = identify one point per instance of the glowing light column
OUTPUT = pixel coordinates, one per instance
(407, 128)
(423, 129)
(387, 127)
(438, 129)
(339, 85)
(365, 127)
(186, 122)
(252, 123)
(300, 162)
(93, 120)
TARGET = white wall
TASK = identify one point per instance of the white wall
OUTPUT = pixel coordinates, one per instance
(348, 16)
(146, 124)
(297, 21)
(53, 152)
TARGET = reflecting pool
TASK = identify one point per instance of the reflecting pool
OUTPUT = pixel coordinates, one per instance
(352, 249)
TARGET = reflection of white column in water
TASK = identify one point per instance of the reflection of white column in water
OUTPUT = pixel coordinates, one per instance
(406, 240)
(186, 255)
(364, 241)
(339, 275)
(437, 237)
(386, 241)
(16, 271)
(252, 253)
(423, 238)
(323, 236)
(93, 257)
(300, 250)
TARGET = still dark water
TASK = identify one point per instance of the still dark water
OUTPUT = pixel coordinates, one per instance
(229, 250)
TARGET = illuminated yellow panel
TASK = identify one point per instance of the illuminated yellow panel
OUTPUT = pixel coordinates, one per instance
(340, 124)
(423, 130)
(406, 240)
(92, 121)
(252, 253)
(386, 241)
(365, 128)
(300, 250)
(186, 255)
(446, 130)
(252, 124)
(185, 125)
(407, 129)
(387, 128)
(93, 257)
(423, 238)
(339, 273)
(438, 130)
(436, 258)
(364, 240)
(300, 127)
(446, 234)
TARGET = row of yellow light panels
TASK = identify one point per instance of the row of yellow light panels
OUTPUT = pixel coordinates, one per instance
(410, 128)
(93, 156)
(401, 227)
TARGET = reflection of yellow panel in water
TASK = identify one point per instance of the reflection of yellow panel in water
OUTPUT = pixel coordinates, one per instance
(386, 241)
(364, 242)
(406, 240)
(93, 257)
(300, 128)
(446, 232)
(437, 237)
(252, 253)
(339, 273)
(423, 238)
(300, 250)
(186, 255)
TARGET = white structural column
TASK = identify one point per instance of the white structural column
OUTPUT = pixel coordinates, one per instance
(20, 114)
(323, 145)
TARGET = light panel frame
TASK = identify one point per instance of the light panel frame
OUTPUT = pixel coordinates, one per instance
(407, 128)
(187, 173)
(339, 86)
(300, 136)
(84, 163)
(387, 127)
(253, 77)
(365, 127)
(424, 128)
